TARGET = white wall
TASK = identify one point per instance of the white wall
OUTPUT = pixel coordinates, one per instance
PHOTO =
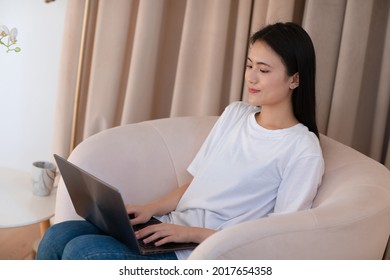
(28, 80)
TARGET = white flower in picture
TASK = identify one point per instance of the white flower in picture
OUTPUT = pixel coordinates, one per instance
(8, 38)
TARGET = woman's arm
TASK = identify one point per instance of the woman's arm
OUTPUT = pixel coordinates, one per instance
(165, 233)
(162, 206)
(299, 185)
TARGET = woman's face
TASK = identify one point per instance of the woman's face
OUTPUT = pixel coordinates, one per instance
(266, 77)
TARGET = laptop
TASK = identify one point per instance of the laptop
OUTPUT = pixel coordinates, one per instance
(102, 205)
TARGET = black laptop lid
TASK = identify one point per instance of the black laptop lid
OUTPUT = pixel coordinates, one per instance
(97, 202)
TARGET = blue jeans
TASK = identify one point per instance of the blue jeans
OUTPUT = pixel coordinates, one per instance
(80, 240)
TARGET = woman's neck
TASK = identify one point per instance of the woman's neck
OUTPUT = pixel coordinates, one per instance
(274, 118)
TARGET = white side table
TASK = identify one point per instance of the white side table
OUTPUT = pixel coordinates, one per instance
(18, 206)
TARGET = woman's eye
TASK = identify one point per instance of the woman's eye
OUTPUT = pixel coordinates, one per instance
(264, 71)
(248, 66)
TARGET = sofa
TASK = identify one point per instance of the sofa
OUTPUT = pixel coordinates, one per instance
(350, 217)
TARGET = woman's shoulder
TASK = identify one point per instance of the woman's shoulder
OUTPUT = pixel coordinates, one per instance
(234, 113)
(240, 108)
(307, 141)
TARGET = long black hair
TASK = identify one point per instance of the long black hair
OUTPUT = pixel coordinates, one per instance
(292, 43)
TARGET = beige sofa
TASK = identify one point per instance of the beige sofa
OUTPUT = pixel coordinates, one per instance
(350, 218)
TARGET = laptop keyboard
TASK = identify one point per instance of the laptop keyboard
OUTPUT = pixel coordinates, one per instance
(147, 245)
(153, 221)
(141, 226)
(167, 246)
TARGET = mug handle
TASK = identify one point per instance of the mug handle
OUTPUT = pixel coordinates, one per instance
(56, 179)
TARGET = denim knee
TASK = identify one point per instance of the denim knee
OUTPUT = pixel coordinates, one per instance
(80, 240)
(49, 246)
(57, 236)
(104, 247)
(96, 247)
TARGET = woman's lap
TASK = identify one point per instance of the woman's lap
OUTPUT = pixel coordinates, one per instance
(81, 240)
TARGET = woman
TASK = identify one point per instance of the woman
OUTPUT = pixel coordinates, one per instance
(260, 159)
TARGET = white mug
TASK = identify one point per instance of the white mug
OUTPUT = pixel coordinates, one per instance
(43, 177)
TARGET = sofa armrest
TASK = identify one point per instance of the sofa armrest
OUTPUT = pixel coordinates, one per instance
(354, 223)
(264, 238)
(117, 156)
(143, 161)
(321, 233)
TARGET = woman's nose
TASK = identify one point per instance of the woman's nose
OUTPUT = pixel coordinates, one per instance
(251, 76)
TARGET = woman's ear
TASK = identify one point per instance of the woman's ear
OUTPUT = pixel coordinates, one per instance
(294, 81)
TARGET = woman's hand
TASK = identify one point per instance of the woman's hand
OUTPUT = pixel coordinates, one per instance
(165, 233)
(162, 206)
(140, 213)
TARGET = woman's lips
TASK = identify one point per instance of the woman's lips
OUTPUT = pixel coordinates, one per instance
(253, 90)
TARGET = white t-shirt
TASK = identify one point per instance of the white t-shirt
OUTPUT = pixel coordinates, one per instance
(244, 172)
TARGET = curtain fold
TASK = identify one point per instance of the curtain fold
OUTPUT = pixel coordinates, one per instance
(148, 59)
(68, 78)
(380, 147)
(145, 63)
(325, 17)
(353, 111)
(350, 71)
(109, 68)
(205, 63)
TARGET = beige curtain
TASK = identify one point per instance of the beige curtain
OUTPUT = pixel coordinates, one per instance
(148, 59)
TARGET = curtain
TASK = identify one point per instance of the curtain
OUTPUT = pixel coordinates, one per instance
(127, 61)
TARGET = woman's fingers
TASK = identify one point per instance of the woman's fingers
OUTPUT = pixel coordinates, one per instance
(138, 214)
(162, 234)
